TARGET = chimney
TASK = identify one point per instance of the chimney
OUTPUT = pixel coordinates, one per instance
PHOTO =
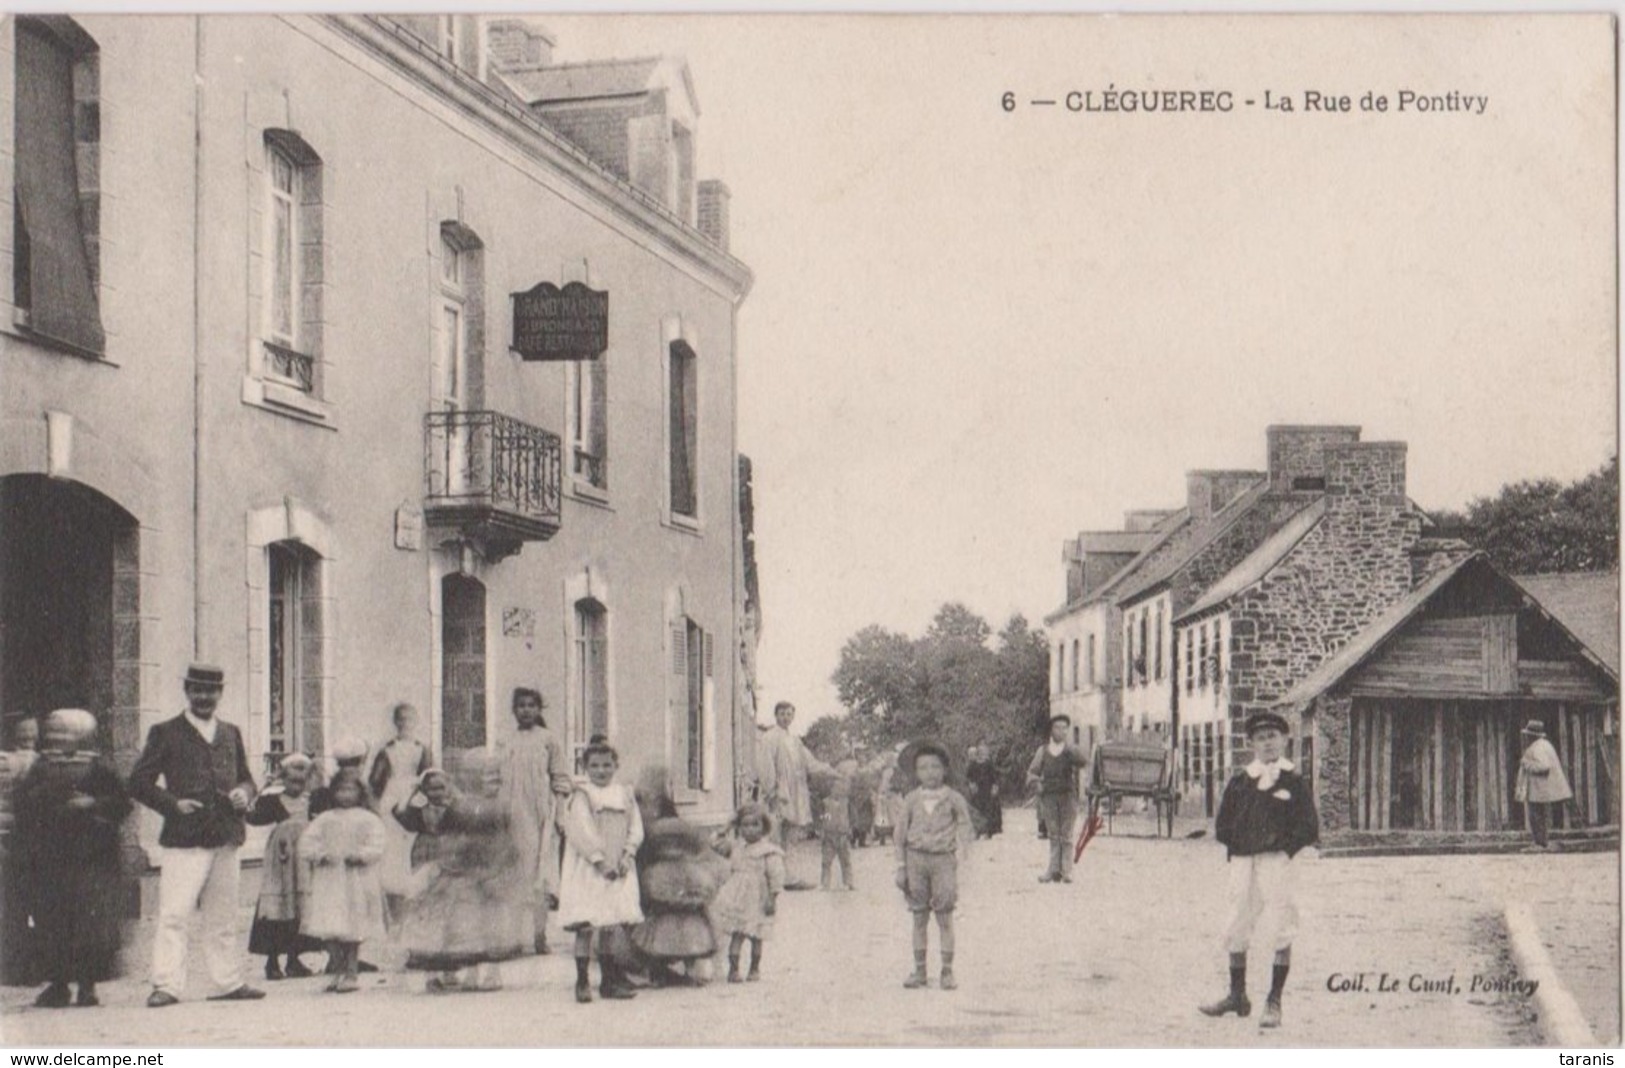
(1366, 474)
(713, 212)
(1141, 520)
(516, 43)
(1072, 556)
(1297, 454)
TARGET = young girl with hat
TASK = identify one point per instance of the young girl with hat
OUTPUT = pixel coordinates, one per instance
(284, 877)
(1266, 818)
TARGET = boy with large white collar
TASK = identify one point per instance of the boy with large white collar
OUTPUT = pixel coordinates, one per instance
(1266, 818)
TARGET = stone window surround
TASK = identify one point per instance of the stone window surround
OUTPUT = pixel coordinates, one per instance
(588, 583)
(270, 127)
(678, 599)
(452, 558)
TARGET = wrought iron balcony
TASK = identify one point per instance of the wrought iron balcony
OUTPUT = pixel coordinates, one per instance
(494, 478)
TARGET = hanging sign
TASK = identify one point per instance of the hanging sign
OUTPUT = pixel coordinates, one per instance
(550, 323)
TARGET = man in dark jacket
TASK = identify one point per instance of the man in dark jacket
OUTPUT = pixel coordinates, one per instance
(207, 790)
(1266, 818)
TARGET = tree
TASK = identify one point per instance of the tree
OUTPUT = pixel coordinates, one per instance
(950, 685)
(1539, 525)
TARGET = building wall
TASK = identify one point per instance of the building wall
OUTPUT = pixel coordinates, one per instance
(1148, 692)
(400, 155)
(1089, 704)
(1344, 572)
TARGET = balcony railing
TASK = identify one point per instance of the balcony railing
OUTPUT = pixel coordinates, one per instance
(495, 478)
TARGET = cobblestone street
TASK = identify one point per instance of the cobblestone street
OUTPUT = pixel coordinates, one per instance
(1119, 958)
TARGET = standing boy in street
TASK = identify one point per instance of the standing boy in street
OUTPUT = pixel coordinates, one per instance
(933, 828)
(1266, 818)
(1054, 770)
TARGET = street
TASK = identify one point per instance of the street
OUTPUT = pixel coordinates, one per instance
(1121, 957)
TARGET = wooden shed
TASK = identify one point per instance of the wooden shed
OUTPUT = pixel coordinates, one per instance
(1416, 722)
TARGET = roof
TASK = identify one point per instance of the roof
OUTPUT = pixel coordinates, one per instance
(1203, 536)
(1176, 521)
(1364, 644)
(595, 79)
(1585, 603)
(1260, 561)
(1114, 541)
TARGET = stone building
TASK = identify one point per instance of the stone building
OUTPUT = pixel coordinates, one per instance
(262, 404)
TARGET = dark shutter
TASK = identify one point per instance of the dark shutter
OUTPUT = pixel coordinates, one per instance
(62, 298)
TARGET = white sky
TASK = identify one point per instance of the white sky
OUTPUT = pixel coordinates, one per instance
(975, 333)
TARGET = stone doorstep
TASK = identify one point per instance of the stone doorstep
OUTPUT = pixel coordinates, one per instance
(1590, 840)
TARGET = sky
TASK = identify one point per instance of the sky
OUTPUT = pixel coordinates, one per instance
(975, 332)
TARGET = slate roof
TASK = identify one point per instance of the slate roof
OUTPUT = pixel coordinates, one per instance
(1201, 537)
(1258, 563)
(1585, 603)
(1175, 522)
(594, 79)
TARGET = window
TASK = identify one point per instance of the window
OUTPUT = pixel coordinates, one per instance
(587, 383)
(1060, 668)
(1090, 660)
(1074, 664)
(292, 630)
(1201, 653)
(1158, 659)
(684, 421)
(692, 666)
(293, 263)
(1190, 661)
(56, 205)
(450, 37)
(459, 319)
(1139, 660)
(589, 714)
(1303, 482)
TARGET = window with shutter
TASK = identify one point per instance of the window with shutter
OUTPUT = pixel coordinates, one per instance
(56, 207)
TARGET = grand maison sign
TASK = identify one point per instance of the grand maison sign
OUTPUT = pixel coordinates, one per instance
(550, 323)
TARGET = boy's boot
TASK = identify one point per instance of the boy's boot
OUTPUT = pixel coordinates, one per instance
(948, 981)
(1236, 1001)
(583, 982)
(755, 974)
(917, 980)
(1272, 1006)
(296, 968)
(273, 970)
(733, 969)
(54, 996)
(87, 995)
(611, 983)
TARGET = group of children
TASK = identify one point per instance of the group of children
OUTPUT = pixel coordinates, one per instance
(466, 909)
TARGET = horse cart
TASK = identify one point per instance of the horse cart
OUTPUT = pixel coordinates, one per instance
(1132, 769)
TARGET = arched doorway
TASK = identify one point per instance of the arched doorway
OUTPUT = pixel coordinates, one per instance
(70, 610)
(462, 663)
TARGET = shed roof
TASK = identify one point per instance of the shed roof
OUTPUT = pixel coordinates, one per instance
(1585, 603)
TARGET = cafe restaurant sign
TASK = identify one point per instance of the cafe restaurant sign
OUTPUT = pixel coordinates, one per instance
(550, 323)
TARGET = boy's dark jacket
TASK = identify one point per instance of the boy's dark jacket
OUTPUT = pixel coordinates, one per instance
(1253, 821)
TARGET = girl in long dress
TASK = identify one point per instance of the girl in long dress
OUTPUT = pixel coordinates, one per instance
(344, 846)
(392, 779)
(678, 876)
(599, 888)
(284, 877)
(68, 810)
(474, 911)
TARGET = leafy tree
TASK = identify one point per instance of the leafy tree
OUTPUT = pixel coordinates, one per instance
(953, 684)
(1540, 525)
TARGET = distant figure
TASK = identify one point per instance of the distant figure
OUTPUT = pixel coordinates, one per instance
(748, 901)
(1541, 782)
(835, 825)
(783, 766)
(983, 780)
(68, 810)
(284, 875)
(934, 830)
(1054, 770)
(16, 936)
(599, 888)
(391, 780)
(678, 878)
(535, 783)
(1266, 818)
(344, 847)
(206, 794)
